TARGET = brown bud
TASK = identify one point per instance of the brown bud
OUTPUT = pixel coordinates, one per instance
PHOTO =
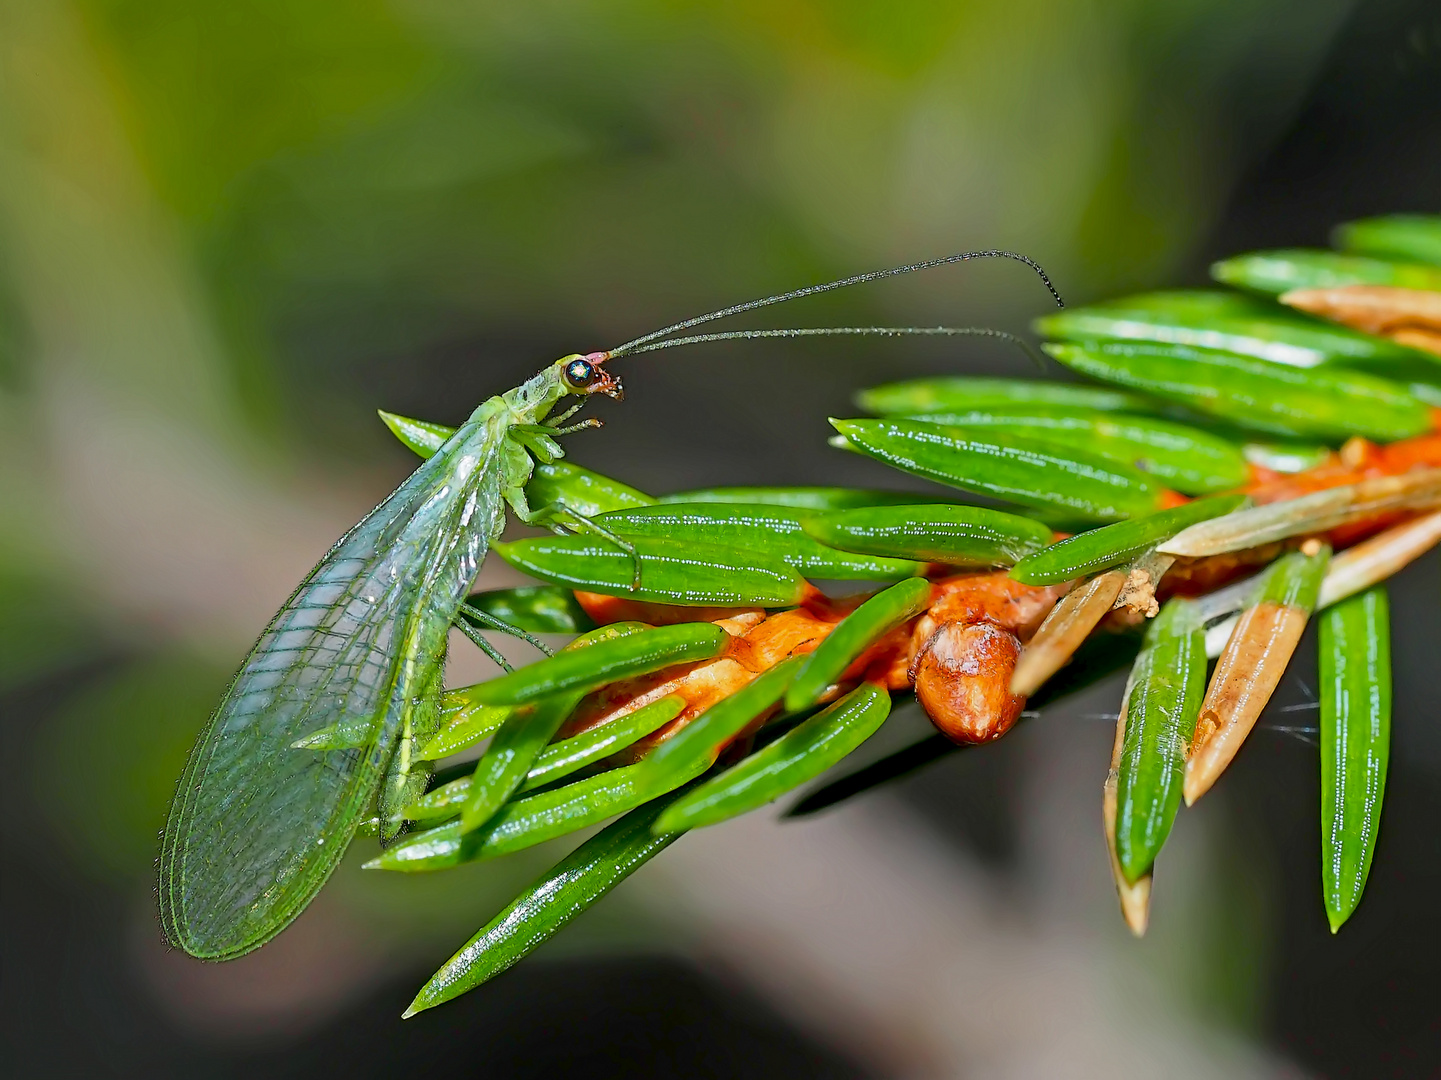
(963, 677)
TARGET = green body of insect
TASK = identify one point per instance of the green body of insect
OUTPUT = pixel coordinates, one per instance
(257, 824)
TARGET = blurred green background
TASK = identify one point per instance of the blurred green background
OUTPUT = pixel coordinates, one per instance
(229, 232)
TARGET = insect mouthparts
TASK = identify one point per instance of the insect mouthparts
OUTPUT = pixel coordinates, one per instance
(605, 383)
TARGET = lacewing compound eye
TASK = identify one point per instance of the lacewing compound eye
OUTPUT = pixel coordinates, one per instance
(580, 374)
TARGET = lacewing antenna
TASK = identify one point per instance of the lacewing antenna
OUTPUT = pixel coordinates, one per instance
(853, 331)
(640, 344)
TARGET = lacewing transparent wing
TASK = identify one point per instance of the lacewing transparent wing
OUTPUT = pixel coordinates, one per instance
(258, 825)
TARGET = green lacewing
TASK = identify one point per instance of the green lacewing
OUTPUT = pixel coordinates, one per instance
(351, 666)
(258, 825)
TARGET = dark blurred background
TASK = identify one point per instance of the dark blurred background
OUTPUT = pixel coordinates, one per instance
(229, 232)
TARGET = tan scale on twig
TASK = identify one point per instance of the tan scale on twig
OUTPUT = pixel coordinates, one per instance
(1067, 625)
(1376, 559)
(1246, 676)
(1138, 594)
(1410, 317)
(1318, 512)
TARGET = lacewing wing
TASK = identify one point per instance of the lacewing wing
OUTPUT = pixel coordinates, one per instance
(258, 825)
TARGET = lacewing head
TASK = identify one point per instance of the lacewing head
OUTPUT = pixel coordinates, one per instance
(586, 375)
